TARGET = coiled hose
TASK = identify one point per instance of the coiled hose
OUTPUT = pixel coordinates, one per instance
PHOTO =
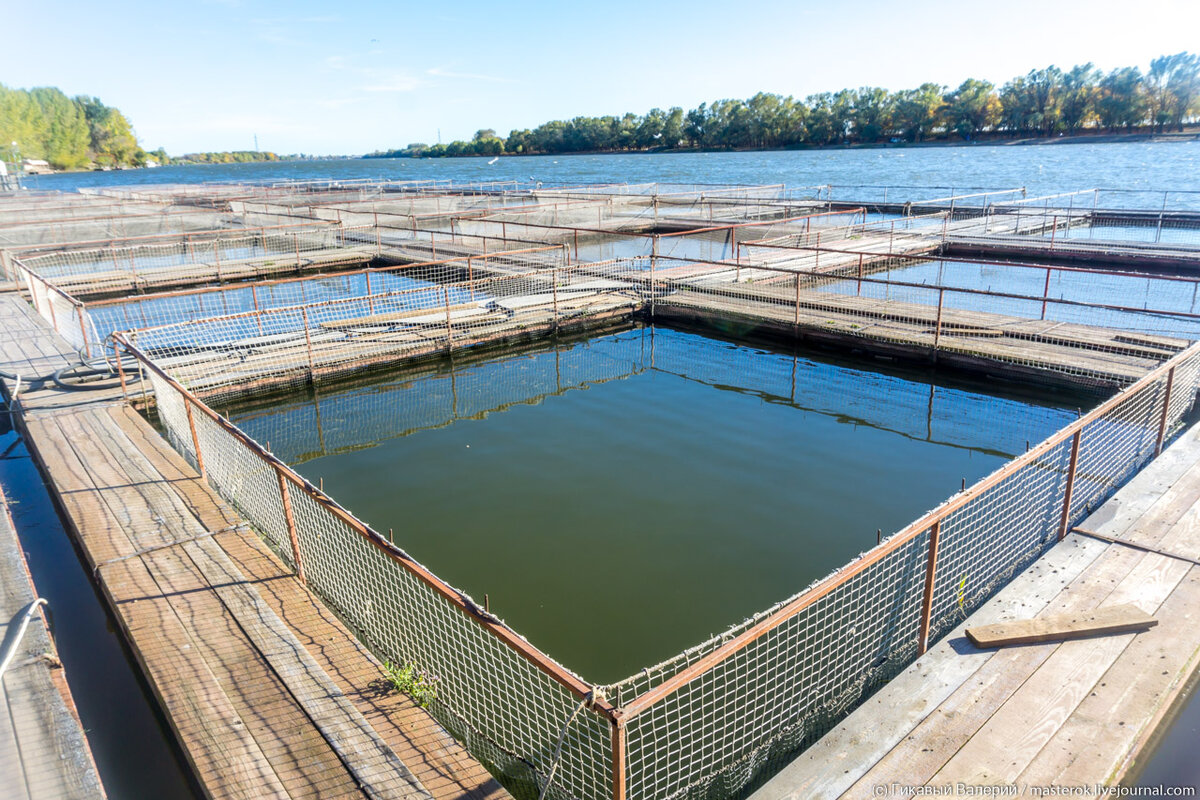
(88, 375)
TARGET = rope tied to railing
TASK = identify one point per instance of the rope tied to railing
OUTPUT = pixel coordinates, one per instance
(596, 695)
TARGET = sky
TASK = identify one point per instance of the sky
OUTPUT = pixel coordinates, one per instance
(351, 77)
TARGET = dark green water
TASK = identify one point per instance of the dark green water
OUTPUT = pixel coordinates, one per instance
(622, 498)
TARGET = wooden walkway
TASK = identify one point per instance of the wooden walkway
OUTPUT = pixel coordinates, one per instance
(1066, 714)
(43, 751)
(132, 281)
(995, 343)
(269, 695)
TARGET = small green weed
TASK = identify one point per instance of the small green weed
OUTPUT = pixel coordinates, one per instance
(411, 681)
(962, 596)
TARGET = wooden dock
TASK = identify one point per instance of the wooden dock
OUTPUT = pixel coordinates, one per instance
(1066, 714)
(994, 343)
(43, 750)
(1160, 256)
(268, 694)
(133, 281)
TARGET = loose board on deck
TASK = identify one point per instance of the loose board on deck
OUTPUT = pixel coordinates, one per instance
(1056, 627)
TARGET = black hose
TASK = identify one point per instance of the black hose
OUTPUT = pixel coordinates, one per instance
(36, 383)
(82, 370)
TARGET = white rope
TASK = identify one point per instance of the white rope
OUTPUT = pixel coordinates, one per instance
(11, 641)
(590, 699)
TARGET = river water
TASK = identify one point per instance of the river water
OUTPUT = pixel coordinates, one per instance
(1041, 169)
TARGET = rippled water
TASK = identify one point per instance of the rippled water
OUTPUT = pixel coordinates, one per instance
(1041, 169)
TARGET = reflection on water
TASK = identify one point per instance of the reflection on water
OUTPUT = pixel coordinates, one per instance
(622, 497)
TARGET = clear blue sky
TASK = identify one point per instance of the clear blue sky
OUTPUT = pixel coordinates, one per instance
(350, 77)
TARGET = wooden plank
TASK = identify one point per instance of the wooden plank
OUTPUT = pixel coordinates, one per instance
(373, 764)
(1007, 744)
(207, 507)
(224, 756)
(1059, 627)
(439, 762)
(357, 752)
(1099, 740)
(305, 762)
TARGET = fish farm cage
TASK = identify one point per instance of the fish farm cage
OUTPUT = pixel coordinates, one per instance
(296, 283)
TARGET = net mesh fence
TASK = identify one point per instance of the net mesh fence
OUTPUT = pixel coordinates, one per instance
(131, 268)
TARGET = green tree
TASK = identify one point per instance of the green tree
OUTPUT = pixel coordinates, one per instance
(919, 111)
(1080, 91)
(65, 144)
(1121, 99)
(111, 135)
(873, 111)
(973, 108)
(1182, 86)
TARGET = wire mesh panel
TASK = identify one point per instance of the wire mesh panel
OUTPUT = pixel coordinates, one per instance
(997, 533)
(782, 690)
(1113, 447)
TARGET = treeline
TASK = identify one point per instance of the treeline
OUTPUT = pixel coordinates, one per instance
(232, 157)
(68, 132)
(1044, 102)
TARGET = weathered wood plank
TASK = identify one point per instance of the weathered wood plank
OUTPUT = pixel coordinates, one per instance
(43, 751)
(373, 764)
(225, 758)
(1058, 627)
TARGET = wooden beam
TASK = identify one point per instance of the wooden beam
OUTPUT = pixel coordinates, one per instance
(1059, 627)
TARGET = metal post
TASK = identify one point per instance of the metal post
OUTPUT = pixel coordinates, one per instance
(1162, 422)
(1046, 293)
(796, 318)
(1158, 232)
(1053, 230)
(1065, 521)
(930, 576)
(618, 760)
(653, 260)
(296, 242)
(937, 331)
(308, 343)
(554, 289)
(290, 519)
(858, 291)
(120, 371)
(891, 237)
(187, 406)
(87, 346)
(449, 329)
(50, 304)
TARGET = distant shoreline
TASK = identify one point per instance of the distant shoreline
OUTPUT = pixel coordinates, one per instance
(1192, 134)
